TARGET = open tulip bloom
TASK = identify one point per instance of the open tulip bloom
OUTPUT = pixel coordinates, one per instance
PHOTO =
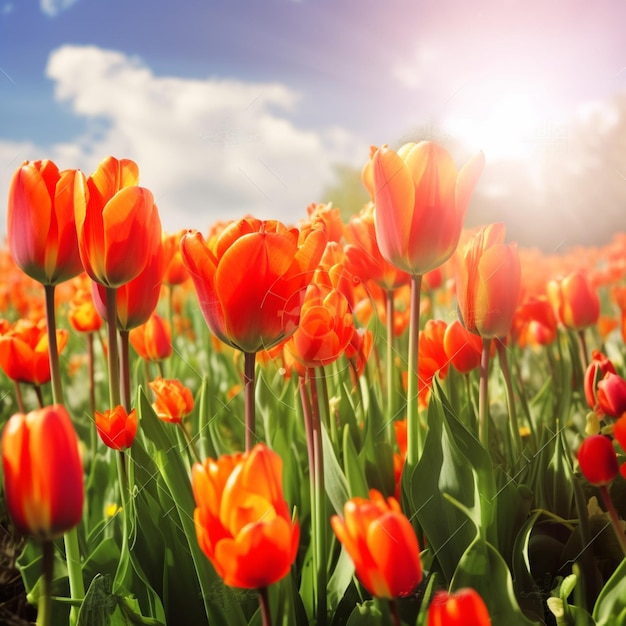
(377, 420)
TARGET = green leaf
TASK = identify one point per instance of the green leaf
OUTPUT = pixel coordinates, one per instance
(610, 607)
(335, 480)
(357, 485)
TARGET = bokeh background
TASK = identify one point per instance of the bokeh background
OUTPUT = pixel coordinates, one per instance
(264, 106)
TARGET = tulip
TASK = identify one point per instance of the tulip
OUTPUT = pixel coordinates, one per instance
(243, 523)
(462, 348)
(382, 544)
(24, 354)
(433, 359)
(43, 473)
(421, 201)
(574, 300)
(175, 272)
(251, 280)
(596, 370)
(598, 460)
(82, 313)
(612, 395)
(173, 400)
(462, 608)
(489, 283)
(117, 428)
(113, 214)
(534, 323)
(153, 340)
(41, 229)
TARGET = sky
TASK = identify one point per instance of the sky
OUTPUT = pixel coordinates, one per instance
(247, 106)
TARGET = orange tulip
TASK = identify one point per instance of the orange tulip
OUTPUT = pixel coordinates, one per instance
(43, 472)
(173, 400)
(382, 544)
(116, 427)
(242, 521)
(462, 348)
(175, 271)
(82, 313)
(117, 223)
(41, 228)
(153, 340)
(575, 301)
(251, 280)
(489, 283)
(331, 216)
(421, 203)
(534, 323)
(326, 327)
(463, 608)
(24, 354)
(433, 359)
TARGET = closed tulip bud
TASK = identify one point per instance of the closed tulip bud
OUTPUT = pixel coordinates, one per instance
(242, 521)
(575, 302)
(598, 460)
(43, 472)
(117, 428)
(462, 608)
(382, 545)
(41, 228)
(421, 200)
(462, 348)
(153, 340)
(489, 283)
(612, 395)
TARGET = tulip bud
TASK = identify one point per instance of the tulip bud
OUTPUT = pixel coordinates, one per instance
(116, 428)
(598, 460)
(463, 608)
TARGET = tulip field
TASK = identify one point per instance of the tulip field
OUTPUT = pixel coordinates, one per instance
(390, 419)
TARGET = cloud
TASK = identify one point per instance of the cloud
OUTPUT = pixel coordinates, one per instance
(208, 149)
(54, 7)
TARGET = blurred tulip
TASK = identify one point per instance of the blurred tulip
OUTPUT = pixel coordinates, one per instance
(489, 283)
(41, 228)
(153, 340)
(462, 348)
(24, 354)
(331, 216)
(382, 544)
(421, 201)
(252, 279)
(598, 460)
(173, 401)
(433, 359)
(43, 472)
(462, 608)
(611, 395)
(242, 521)
(359, 349)
(116, 427)
(82, 313)
(599, 366)
(575, 301)
(534, 323)
(112, 215)
(175, 272)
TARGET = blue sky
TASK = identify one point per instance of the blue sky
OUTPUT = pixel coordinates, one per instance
(245, 106)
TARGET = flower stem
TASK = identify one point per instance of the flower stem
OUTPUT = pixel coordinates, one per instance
(583, 349)
(610, 508)
(390, 371)
(114, 362)
(264, 603)
(19, 397)
(44, 605)
(483, 395)
(414, 428)
(250, 408)
(53, 350)
(74, 570)
(190, 443)
(506, 372)
(125, 369)
(393, 609)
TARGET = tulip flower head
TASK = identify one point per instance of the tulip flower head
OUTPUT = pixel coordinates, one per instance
(462, 608)
(612, 395)
(598, 460)
(575, 302)
(153, 340)
(597, 369)
(382, 544)
(117, 428)
(43, 472)
(41, 228)
(251, 279)
(242, 521)
(421, 201)
(173, 401)
(489, 283)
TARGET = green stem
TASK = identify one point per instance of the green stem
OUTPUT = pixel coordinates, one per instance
(53, 350)
(19, 397)
(327, 419)
(583, 349)
(114, 361)
(264, 603)
(483, 395)
(39, 395)
(414, 427)
(391, 373)
(610, 508)
(125, 369)
(395, 616)
(123, 565)
(44, 606)
(74, 570)
(250, 408)
(190, 443)
(504, 366)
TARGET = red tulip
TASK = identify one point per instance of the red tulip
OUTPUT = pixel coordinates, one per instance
(575, 301)
(117, 428)
(153, 340)
(489, 283)
(421, 201)
(462, 608)
(43, 472)
(612, 395)
(382, 544)
(462, 348)
(599, 366)
(41, 228)
(598, 460)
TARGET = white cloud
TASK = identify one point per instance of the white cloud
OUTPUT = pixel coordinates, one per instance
(54, 7)
(208, 149)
